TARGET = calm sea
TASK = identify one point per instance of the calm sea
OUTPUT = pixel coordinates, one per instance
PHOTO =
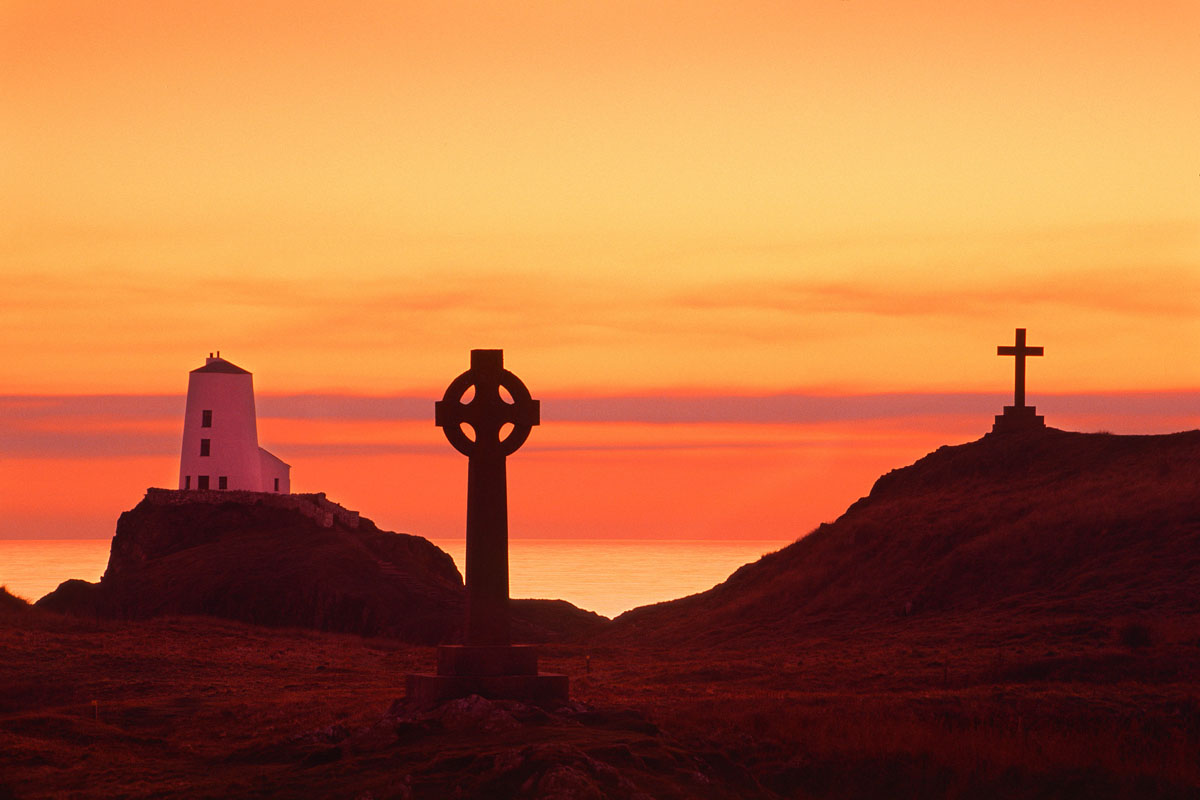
(603, 575)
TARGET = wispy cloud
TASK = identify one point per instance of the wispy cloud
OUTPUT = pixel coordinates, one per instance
(98, 444)
(780, 408)
(634, 305)
(109, 406)
(101, 426)
(665, 409)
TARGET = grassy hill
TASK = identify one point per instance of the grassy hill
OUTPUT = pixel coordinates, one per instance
(1038, 525)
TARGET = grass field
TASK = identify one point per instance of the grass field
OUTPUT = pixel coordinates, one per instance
(200, 707)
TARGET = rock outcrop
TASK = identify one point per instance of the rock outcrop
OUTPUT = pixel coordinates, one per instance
(284, 561)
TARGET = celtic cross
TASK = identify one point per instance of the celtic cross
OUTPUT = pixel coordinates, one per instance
(487, 444)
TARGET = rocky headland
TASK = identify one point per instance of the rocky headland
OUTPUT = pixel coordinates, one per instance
(288, 560)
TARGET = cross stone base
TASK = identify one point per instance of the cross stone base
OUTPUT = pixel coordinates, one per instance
(498, 672)
(1016, 419)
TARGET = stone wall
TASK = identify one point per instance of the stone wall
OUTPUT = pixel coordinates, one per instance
(314, 506)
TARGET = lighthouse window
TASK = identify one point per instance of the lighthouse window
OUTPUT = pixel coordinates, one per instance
(206, 418)
(277, 484)
(187, 481)
(222, 482)
(204, 446)
(202, 482)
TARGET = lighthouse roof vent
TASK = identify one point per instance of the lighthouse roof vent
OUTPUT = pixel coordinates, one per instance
(219, 364)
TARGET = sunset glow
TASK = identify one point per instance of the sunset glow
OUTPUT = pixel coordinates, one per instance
(645, 205)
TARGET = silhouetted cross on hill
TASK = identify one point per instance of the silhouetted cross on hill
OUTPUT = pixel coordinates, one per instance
(1020, 351)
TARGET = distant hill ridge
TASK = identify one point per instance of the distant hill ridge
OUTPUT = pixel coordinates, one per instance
(1046, 521)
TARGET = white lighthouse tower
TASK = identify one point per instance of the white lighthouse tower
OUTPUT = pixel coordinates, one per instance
(220, 434)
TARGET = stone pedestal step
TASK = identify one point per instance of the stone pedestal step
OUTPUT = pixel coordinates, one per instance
(1016, 419)
(466, 659)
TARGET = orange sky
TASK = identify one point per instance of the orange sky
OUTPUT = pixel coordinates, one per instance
(630, 198)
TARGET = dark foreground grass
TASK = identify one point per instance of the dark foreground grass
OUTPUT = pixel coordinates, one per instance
(986, 742)
(961, 709)
(196, 707)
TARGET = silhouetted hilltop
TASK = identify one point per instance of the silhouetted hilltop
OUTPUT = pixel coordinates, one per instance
(1045, 522)
(286, 560)
(10, 603)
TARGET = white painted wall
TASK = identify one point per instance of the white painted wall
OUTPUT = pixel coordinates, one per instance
(275, 469)
(228, 392)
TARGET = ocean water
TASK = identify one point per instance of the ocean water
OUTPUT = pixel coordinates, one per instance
(607, 576)
(31, 568)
